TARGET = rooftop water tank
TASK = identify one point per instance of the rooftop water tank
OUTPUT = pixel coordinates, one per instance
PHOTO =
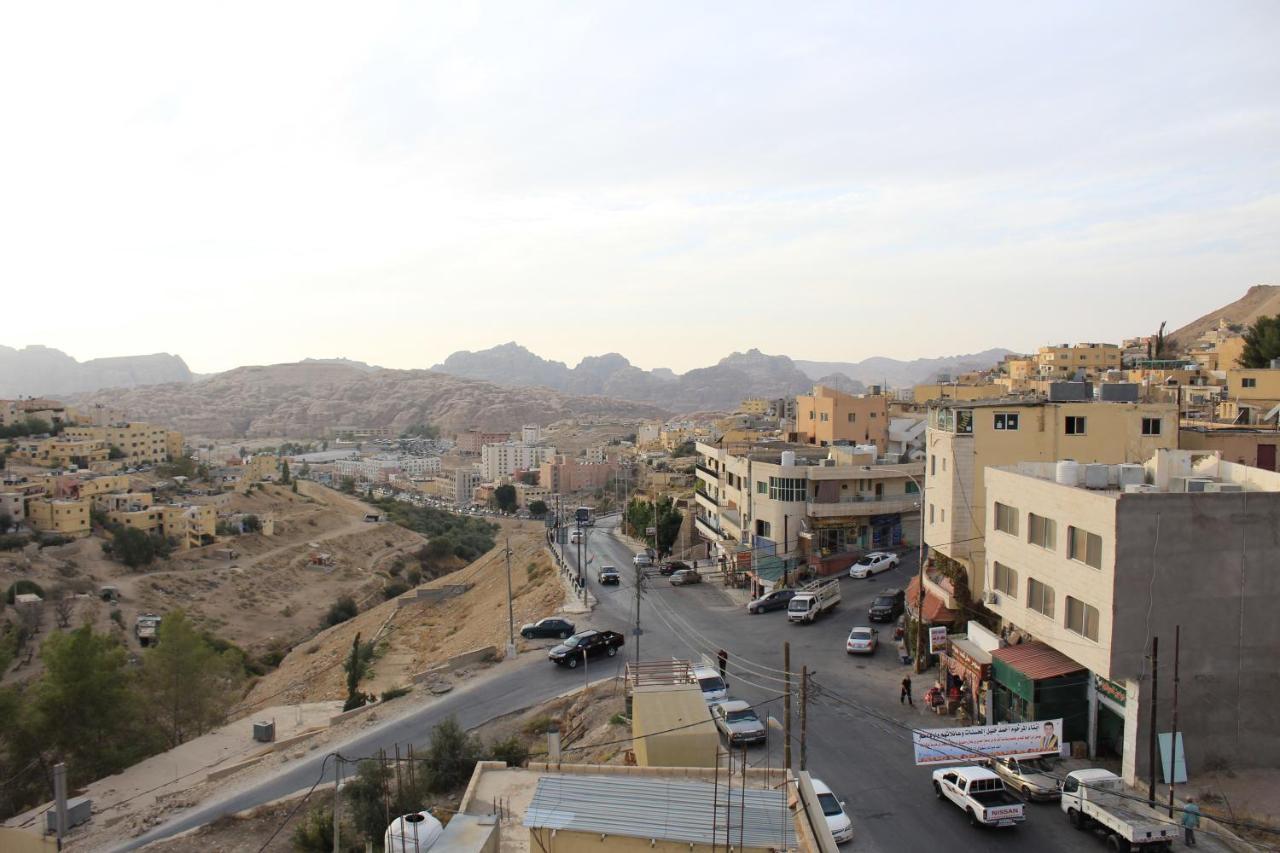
(1067, 473)
(1138, 488)
(788, 459)
(412, 833)
(1130, 474)
(1096, 475)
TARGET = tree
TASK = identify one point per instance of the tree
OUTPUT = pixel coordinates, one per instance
(284, 472)
(348, 485)
(64, 606)
(537, 508)
(341, 610)
(132, 547)
(354, 667)
(1261, 343)
(187, 685)
(505, 495)
(251, 524)
(114, 452)
(452, 755)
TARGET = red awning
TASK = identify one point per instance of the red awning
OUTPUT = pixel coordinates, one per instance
(1035, 660)
(935, 610)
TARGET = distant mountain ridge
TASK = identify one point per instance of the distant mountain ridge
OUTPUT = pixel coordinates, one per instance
(47, 372)
(1261, 300)
(879, 370)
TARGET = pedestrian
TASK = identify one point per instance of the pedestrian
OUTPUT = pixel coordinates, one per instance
(1190, 821)
(905, 695)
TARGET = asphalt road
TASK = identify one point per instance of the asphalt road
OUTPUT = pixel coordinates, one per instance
(866, 761)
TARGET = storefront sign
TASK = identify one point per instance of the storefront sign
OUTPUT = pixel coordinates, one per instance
(1108, 688)
(966, 661)
(937, 639)
(1010, 740)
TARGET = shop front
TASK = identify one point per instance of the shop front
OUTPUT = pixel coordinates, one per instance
(1033, 681)
(966, 669)
(1109, 722)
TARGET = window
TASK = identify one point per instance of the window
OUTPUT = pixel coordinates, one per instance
(1075, 425)
(787, 488)
(811, 414)
(1042, 531)
(763, 528)
(931, 513)
(823, 417)
(1006, 420)
(853, 416)
(933, 464)
(1082, 619)
(1006, 579)
(944, 464)
(1150, 426)
(1084, 546)
(1248, 382)
(1040, 597)
(1006, 519)
(762, 488)
(911, 488)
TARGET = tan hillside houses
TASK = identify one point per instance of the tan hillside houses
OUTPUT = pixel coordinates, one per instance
(826, 416)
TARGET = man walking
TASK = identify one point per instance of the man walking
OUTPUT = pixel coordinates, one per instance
(905, 695)
(1190, 822)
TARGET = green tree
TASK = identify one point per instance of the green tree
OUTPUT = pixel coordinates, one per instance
(114, 452)
(132, 547)
(251, 524)
(505, 495)
(348, 485)
(1261, 343)
(188, 686)
(354, 667)
(537, 508)
(452, 755)
(284, 472)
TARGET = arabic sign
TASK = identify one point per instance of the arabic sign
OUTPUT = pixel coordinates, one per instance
(937, 639)
(1108, 688)
(1008, 740)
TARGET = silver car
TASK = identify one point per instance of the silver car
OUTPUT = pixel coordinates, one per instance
(739, 723)
(1030, 778)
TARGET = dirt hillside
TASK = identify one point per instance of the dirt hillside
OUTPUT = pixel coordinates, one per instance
(1261, 300)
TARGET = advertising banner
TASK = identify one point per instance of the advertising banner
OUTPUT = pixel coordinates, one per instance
(1006, 740)
(937, 639)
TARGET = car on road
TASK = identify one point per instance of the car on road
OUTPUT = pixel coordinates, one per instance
(887, 606)
(711, 684)
(684, 577)
(559, 628)
(980, 794)
(738, 723)
(1095, 800)
(575, 536)
(609, 575)
(776, 600)
(862, 641)
(1030, 778)
(670, 567)
(873, 563)
(833, 810)
(642, 560)
(584, 645)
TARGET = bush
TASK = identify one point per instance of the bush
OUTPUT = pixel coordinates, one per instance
(356, 700)
(341, 610)
(414, 577)
(451, 756)
(117, 617)
(133, 547)
(13, 541)
(393, 589)
(397, 566)
(22, 587)
(314, 833)
(395, 693)
(50, 540)
(251, 523)
(511, 750)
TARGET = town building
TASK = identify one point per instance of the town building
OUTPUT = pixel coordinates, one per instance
(1066, 362)
(1252, 395)
(500, 461)
(50, 412)
(65, 516)
(527, 494)
(531, 434)
(184, 525)
(827, 416)
(965, 437)
(1088, 564)
(60, 451)
(1244, 445)
(755, 406)
(563, 474)
(465, 481)
(133, 443)
(929, 392)
(472, 440)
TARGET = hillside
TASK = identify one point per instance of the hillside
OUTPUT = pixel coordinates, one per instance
(47, 372)
(896, 373)
(309, 399)
(1261, 300)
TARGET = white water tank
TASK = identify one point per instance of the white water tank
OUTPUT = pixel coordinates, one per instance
(1130, 474)
(412, 833)
(788, 459)
(1067, 473)
(1096, 475)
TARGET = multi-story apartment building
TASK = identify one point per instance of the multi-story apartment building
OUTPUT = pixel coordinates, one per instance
(472, 440)
(1080, 361)
(931, 391)
(14, 412)
(526, 494)
(1252, 394)
(531, 434)
(186, 525)
(500, 461)
(563, 475)
(67, 516)
(420, 466)
(1093, 562)
(755, 406)
(60, 451)
(140, 443)
(826, 506)
(465, 481)
(827, 416)
(965, 437)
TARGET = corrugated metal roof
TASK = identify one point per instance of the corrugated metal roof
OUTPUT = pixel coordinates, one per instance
(669, 809)
(1036, 660)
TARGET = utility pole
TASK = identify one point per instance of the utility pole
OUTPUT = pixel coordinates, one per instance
(1151, 741)
(804, 716)
(337, 801)
(511, 616)
(637, 632)
(60, 799)
(1173, 738)
(786, 708)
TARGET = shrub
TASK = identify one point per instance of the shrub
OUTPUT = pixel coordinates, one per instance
(451, 756)
(511, 750)
(21, 588)
(394, 589)
(617, 720)
(341, 610)
(13, 541)
(413, 576)
(396, 568)
(50, 540)
(538, 725)
(314, 833)
(117, 617)
(395, 693)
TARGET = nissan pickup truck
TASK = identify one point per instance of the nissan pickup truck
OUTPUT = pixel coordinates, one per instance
(980, 794)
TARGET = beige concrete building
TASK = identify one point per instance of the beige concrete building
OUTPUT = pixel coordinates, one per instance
(1252, 395)
(1079, 361)
(562, 474)
(185, 525)
(498, 462)
(473, 439)
(67, 516)
(141, 443)
(933, 391)
(1094, 561)
(964, 438)
(827, 416)
(755, 406)
(1239, 444)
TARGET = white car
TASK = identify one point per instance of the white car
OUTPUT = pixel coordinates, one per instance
(711, 684)
(873, 563)
(862, 641)
(833, 810)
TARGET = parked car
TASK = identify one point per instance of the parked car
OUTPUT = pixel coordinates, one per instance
(585, 644)
(887, 606)
(776, 600)
(833, 810)
(862, 641)
(1032, 778)
(712, 685)
(873, 563)
(642, 560)
(739, 723)
(670, 567)
(609, 575)
(684, 577)
(559, 628)
(980, 794)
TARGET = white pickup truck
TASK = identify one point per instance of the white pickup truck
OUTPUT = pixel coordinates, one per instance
(814, 599)
(1095, 799)
(980, 794)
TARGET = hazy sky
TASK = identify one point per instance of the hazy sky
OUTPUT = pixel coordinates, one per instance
(252, 183)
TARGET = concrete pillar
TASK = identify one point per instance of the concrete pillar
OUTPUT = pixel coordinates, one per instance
(1133, 730)
(553, 744)
(1093, 716)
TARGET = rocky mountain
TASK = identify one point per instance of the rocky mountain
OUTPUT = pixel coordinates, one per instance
(309, 399)
(39, 371)
(1261, 300)
(897, 374)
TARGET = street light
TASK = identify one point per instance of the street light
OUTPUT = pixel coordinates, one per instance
(920, 578)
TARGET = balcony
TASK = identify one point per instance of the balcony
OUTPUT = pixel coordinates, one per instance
(863, 505)
(707, 528)
(707, 502)
(710, 475)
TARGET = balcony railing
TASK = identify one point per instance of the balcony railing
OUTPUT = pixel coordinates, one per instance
(707, 501)
(708, 529)
(704, 469)
(869, 506)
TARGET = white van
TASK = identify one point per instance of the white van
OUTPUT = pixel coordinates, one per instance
(712, 685)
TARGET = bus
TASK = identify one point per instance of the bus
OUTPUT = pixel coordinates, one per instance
(584, 516)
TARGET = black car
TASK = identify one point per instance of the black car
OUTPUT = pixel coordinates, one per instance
(558, 628)
(672, 566)
(776, 600)
(587, 644)
(609, 575)
(888, 605)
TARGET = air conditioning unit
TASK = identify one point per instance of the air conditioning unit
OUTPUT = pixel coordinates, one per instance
(991, 598)
(1199, 484)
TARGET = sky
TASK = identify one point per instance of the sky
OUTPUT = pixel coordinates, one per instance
(249, 183)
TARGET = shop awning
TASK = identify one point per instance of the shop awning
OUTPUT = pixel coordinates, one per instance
(968, 652)
(1036, 660)
(935, 609)
(770, 569)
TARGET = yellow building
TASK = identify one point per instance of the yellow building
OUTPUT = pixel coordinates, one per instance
(1068, 362)
(672, 727)
(827, 416)
(259, 468)
(59, 451)
(964, 438)
(67, 516)
(173, 444)
(755, 406)
(931, 391)
(1252, 392)
(186, 525)
(140, 443)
